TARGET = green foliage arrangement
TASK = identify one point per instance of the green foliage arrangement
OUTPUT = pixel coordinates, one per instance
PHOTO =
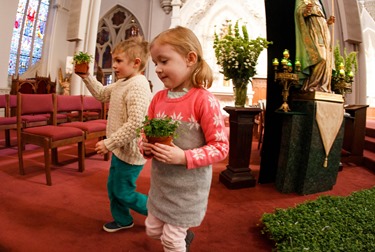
(330, 223)
(82, 57)
(236, 53)
(159, 127)
(347, 62)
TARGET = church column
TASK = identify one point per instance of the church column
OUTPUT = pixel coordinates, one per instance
(88, 42)
(175, 19)
(93, 22)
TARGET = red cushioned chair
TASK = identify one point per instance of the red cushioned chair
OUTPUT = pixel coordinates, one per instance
(105, 108)
(92, 130)
(69, 108)
(7, 122)
(30, 119)
(50, 136)
(92, 108)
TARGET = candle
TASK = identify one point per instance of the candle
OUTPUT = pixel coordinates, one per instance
(342, 72)
(350, 74)
(275, 62)
(284, 61)
(297, 63)
(286, 53)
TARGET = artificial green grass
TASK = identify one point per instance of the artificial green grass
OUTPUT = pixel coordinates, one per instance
(329, 223)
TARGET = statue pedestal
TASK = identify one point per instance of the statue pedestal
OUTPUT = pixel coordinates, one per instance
(238, 173)
(302, 154)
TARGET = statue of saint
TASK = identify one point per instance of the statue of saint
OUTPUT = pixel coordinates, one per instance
(313, 45)
(65, 82)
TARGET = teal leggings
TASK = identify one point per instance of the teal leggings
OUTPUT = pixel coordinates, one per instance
(121, 191)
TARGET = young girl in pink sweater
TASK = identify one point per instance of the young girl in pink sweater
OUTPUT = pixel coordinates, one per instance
(181, 174)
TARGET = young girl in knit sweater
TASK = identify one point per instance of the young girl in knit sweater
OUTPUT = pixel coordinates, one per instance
(129, 98)
(181, 174)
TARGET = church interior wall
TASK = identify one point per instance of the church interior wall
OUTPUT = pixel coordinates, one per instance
(6, 26)
(201, 16)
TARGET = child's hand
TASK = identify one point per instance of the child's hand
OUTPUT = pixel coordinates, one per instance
(168, 154)
(100, 148)
(146, 147)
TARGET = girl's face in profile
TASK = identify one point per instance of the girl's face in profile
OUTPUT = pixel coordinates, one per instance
(173, 69)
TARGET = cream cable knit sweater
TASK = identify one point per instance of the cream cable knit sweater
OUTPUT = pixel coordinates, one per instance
(129, 100)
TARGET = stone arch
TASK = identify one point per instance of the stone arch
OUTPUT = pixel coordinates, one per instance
(115, 26)
(203, 16)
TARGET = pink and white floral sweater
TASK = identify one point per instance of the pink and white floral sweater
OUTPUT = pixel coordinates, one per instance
(179, 193)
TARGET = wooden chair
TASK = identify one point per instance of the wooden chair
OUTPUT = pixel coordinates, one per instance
(29, 118)
(92, 108)
(69, 108)
(92, 129)
(50, 136)
(7, 122)
(103, 119)
(105, 110)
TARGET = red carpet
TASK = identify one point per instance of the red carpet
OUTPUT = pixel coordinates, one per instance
(68, 216)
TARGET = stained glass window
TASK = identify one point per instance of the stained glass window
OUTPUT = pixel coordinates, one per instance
(28, 33)
(116, 26)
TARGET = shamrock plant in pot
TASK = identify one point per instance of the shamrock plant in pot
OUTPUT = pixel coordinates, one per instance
(81, 62)
(159, 130)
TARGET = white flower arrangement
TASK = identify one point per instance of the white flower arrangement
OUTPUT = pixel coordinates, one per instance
(237, 54)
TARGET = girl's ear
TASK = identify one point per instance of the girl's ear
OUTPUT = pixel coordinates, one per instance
(191, 58)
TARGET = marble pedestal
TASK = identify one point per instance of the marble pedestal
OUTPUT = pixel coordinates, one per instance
(300, 165)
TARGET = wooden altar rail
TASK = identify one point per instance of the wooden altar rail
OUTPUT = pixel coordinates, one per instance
(36, 85)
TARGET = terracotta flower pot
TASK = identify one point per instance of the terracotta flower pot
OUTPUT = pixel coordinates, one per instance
(163, 140)
(81, 68)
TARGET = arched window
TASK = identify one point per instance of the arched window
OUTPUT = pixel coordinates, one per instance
(28, 33)
(116, 26)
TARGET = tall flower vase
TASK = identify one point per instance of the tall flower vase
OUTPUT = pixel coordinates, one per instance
(240, 93)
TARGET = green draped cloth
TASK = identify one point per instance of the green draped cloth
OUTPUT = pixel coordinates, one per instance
(313, 47)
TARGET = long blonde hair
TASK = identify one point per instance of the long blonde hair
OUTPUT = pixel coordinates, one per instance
(184, 41)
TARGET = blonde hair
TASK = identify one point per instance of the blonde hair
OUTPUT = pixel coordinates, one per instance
(183, 40)
(134, 47)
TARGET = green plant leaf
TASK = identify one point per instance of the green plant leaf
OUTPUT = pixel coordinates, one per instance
(159, 127)
(329, 223)
(82, 57)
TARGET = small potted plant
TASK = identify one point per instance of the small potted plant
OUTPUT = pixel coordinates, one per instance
(159, 130)
(81, 62)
